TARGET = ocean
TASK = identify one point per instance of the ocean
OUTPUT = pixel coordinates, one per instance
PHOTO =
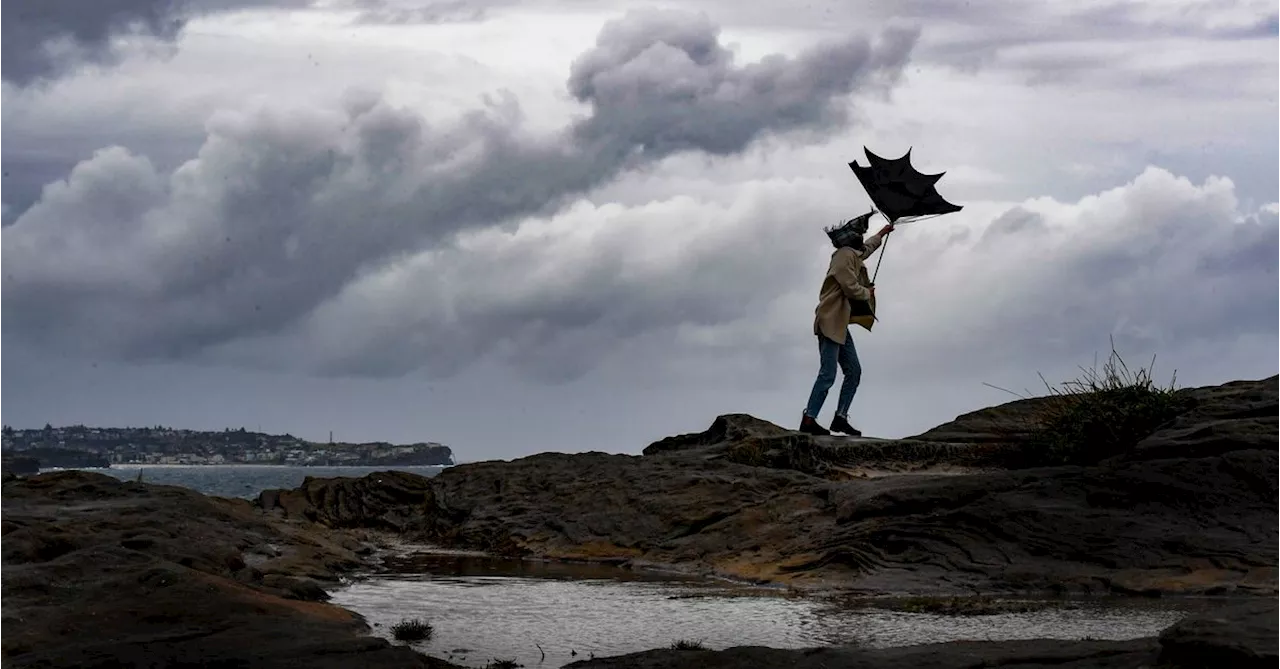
(242, 480)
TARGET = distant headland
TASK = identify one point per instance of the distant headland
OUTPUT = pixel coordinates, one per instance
(79, 446)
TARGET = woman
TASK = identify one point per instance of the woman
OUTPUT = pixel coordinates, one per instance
(847, 297)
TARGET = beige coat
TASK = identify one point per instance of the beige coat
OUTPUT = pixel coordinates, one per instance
(845, 298)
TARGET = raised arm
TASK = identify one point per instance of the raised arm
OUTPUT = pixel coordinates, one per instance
(874, 242)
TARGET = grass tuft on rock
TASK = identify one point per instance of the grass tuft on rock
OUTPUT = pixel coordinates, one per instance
(412, 630)
(687, 644)
(1104, 413)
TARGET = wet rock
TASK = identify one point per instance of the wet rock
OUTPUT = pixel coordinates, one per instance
(1241, 637)
(106, 573)
(960, 655)
(1238, 636)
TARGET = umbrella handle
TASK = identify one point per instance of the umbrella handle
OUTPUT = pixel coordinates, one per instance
(883, 248)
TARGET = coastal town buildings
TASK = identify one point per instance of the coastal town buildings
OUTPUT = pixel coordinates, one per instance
(161, 445)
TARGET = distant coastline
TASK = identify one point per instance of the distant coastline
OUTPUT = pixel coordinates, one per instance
(246, 465)
(80, 447)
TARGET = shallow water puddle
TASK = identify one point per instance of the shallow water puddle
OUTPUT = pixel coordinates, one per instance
(547, 615)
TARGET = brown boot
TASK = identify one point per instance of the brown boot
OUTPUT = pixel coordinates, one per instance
(841, 425)
(810, 426)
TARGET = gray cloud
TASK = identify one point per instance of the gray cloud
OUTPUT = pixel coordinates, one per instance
(44, 38)
(1264, 27)
(1163, 264)
(282, 210)
(1100, 45)
(681, 291)
(435, 11)
(685, 91)
(555, 298)
(1052, 43)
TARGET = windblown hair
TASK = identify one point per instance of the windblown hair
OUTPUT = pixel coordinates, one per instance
(850, 232)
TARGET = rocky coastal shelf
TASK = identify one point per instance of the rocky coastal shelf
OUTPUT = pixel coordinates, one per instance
(100, 570)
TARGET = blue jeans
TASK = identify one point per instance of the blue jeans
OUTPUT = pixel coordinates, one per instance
(829, 353)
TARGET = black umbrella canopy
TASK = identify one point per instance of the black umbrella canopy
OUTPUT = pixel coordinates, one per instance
(898, 190)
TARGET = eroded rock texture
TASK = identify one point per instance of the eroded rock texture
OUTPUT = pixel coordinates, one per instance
(105, 573)
(1191, 509)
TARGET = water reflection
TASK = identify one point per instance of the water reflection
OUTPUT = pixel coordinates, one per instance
(496, 609)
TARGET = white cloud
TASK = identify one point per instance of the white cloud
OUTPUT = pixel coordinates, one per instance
(1159, 255)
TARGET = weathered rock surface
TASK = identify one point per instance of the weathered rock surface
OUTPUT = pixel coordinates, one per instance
(964, 655)
(1192, 510)
(105, 573)
(391, 500)
(991, 425)
(1240, 638)
(748, 440)
(1218, 419)
(1235, 416)
(727, 429)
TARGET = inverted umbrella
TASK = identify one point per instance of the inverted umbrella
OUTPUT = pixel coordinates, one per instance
(900, 192)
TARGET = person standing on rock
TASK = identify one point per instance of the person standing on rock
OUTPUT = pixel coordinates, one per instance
(847, 297)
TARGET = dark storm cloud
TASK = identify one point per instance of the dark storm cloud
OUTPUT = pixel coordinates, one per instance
(280, 210)
(685, 92)
(45, 38)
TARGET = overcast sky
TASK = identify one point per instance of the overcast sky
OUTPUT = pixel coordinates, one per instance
(565, 225)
